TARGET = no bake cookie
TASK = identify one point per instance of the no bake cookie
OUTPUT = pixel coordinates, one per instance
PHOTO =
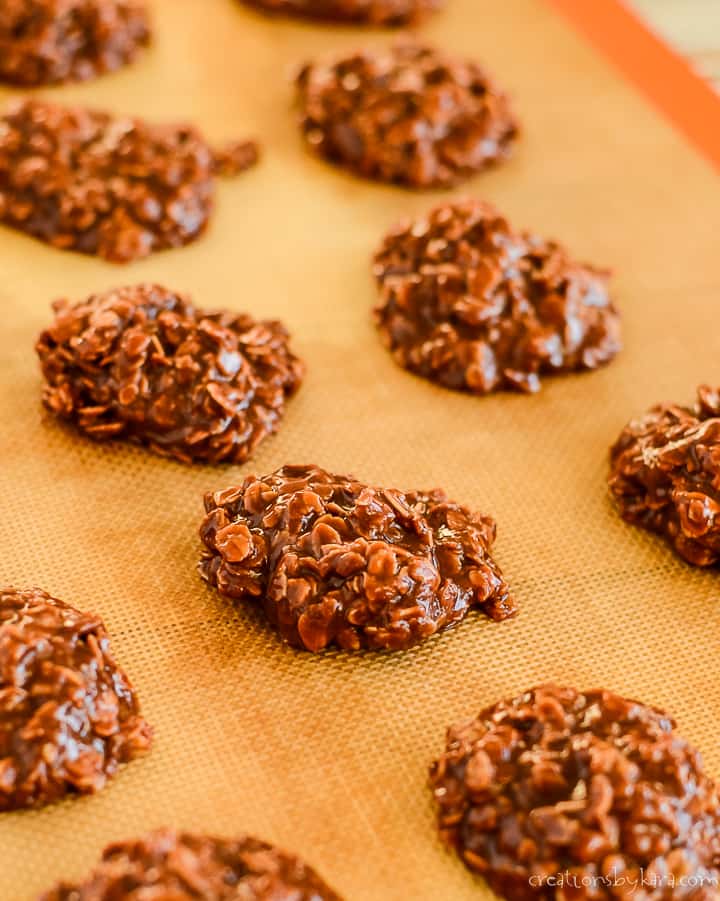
(68, 714)
(56, 41)
(558, 794)
(665, 475)
(143, 364)
(370, 12)
(409, 114)
(185, 867)
(334, 561)
(112, 186)
(472, 304)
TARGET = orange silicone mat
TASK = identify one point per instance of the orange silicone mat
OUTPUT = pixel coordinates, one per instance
(328, 755)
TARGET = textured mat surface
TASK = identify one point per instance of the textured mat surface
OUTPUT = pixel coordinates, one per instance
(328, 755)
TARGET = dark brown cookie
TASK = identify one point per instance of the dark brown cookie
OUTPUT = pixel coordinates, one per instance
(68, 714)
(665, 475)
(337, 562)
(562, 795)
(168, 866)
(409, 115)
(119, 188)
(470, 303)
(51, 41)
(371, 12)
(143, 364)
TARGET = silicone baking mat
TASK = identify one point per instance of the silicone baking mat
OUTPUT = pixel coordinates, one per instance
(328, 755)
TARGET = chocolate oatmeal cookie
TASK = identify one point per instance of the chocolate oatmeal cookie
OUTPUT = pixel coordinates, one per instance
(337, 562)
(665, 475)
(141, 363)
(68, 714)
(409, 115)
(471, 304)
(563, 795)
(371, 12)
(170, 866)
(55, 41)
(115, 187)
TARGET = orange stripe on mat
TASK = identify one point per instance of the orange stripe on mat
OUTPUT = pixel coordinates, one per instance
(663, 76)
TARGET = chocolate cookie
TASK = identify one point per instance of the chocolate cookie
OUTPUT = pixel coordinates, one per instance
(371, 12)
(338, 562)
(409, 115)
(182, 867)
(68, 714)
(119, 188)
(473, 305)
(143, 364)
(665, 475)
(51, 41)
(562, 795)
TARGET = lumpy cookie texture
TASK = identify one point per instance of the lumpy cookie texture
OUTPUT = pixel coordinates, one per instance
(409, 114)
(143, 364)
(335, 561)
(563, 795)
(53, 41)
(68, 714)
(115, 187)
(371, 12)
(170, 866)
(468, 302)
(665, 475)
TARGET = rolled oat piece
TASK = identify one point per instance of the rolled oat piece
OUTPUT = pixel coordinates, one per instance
(56, 41)
(665, 475)
(408, 114)
(115, 187)
(370, 12)
(184, 867)
(565, 795)
(143, 364)
(468, 302)
(68, 714)
(334, 561)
